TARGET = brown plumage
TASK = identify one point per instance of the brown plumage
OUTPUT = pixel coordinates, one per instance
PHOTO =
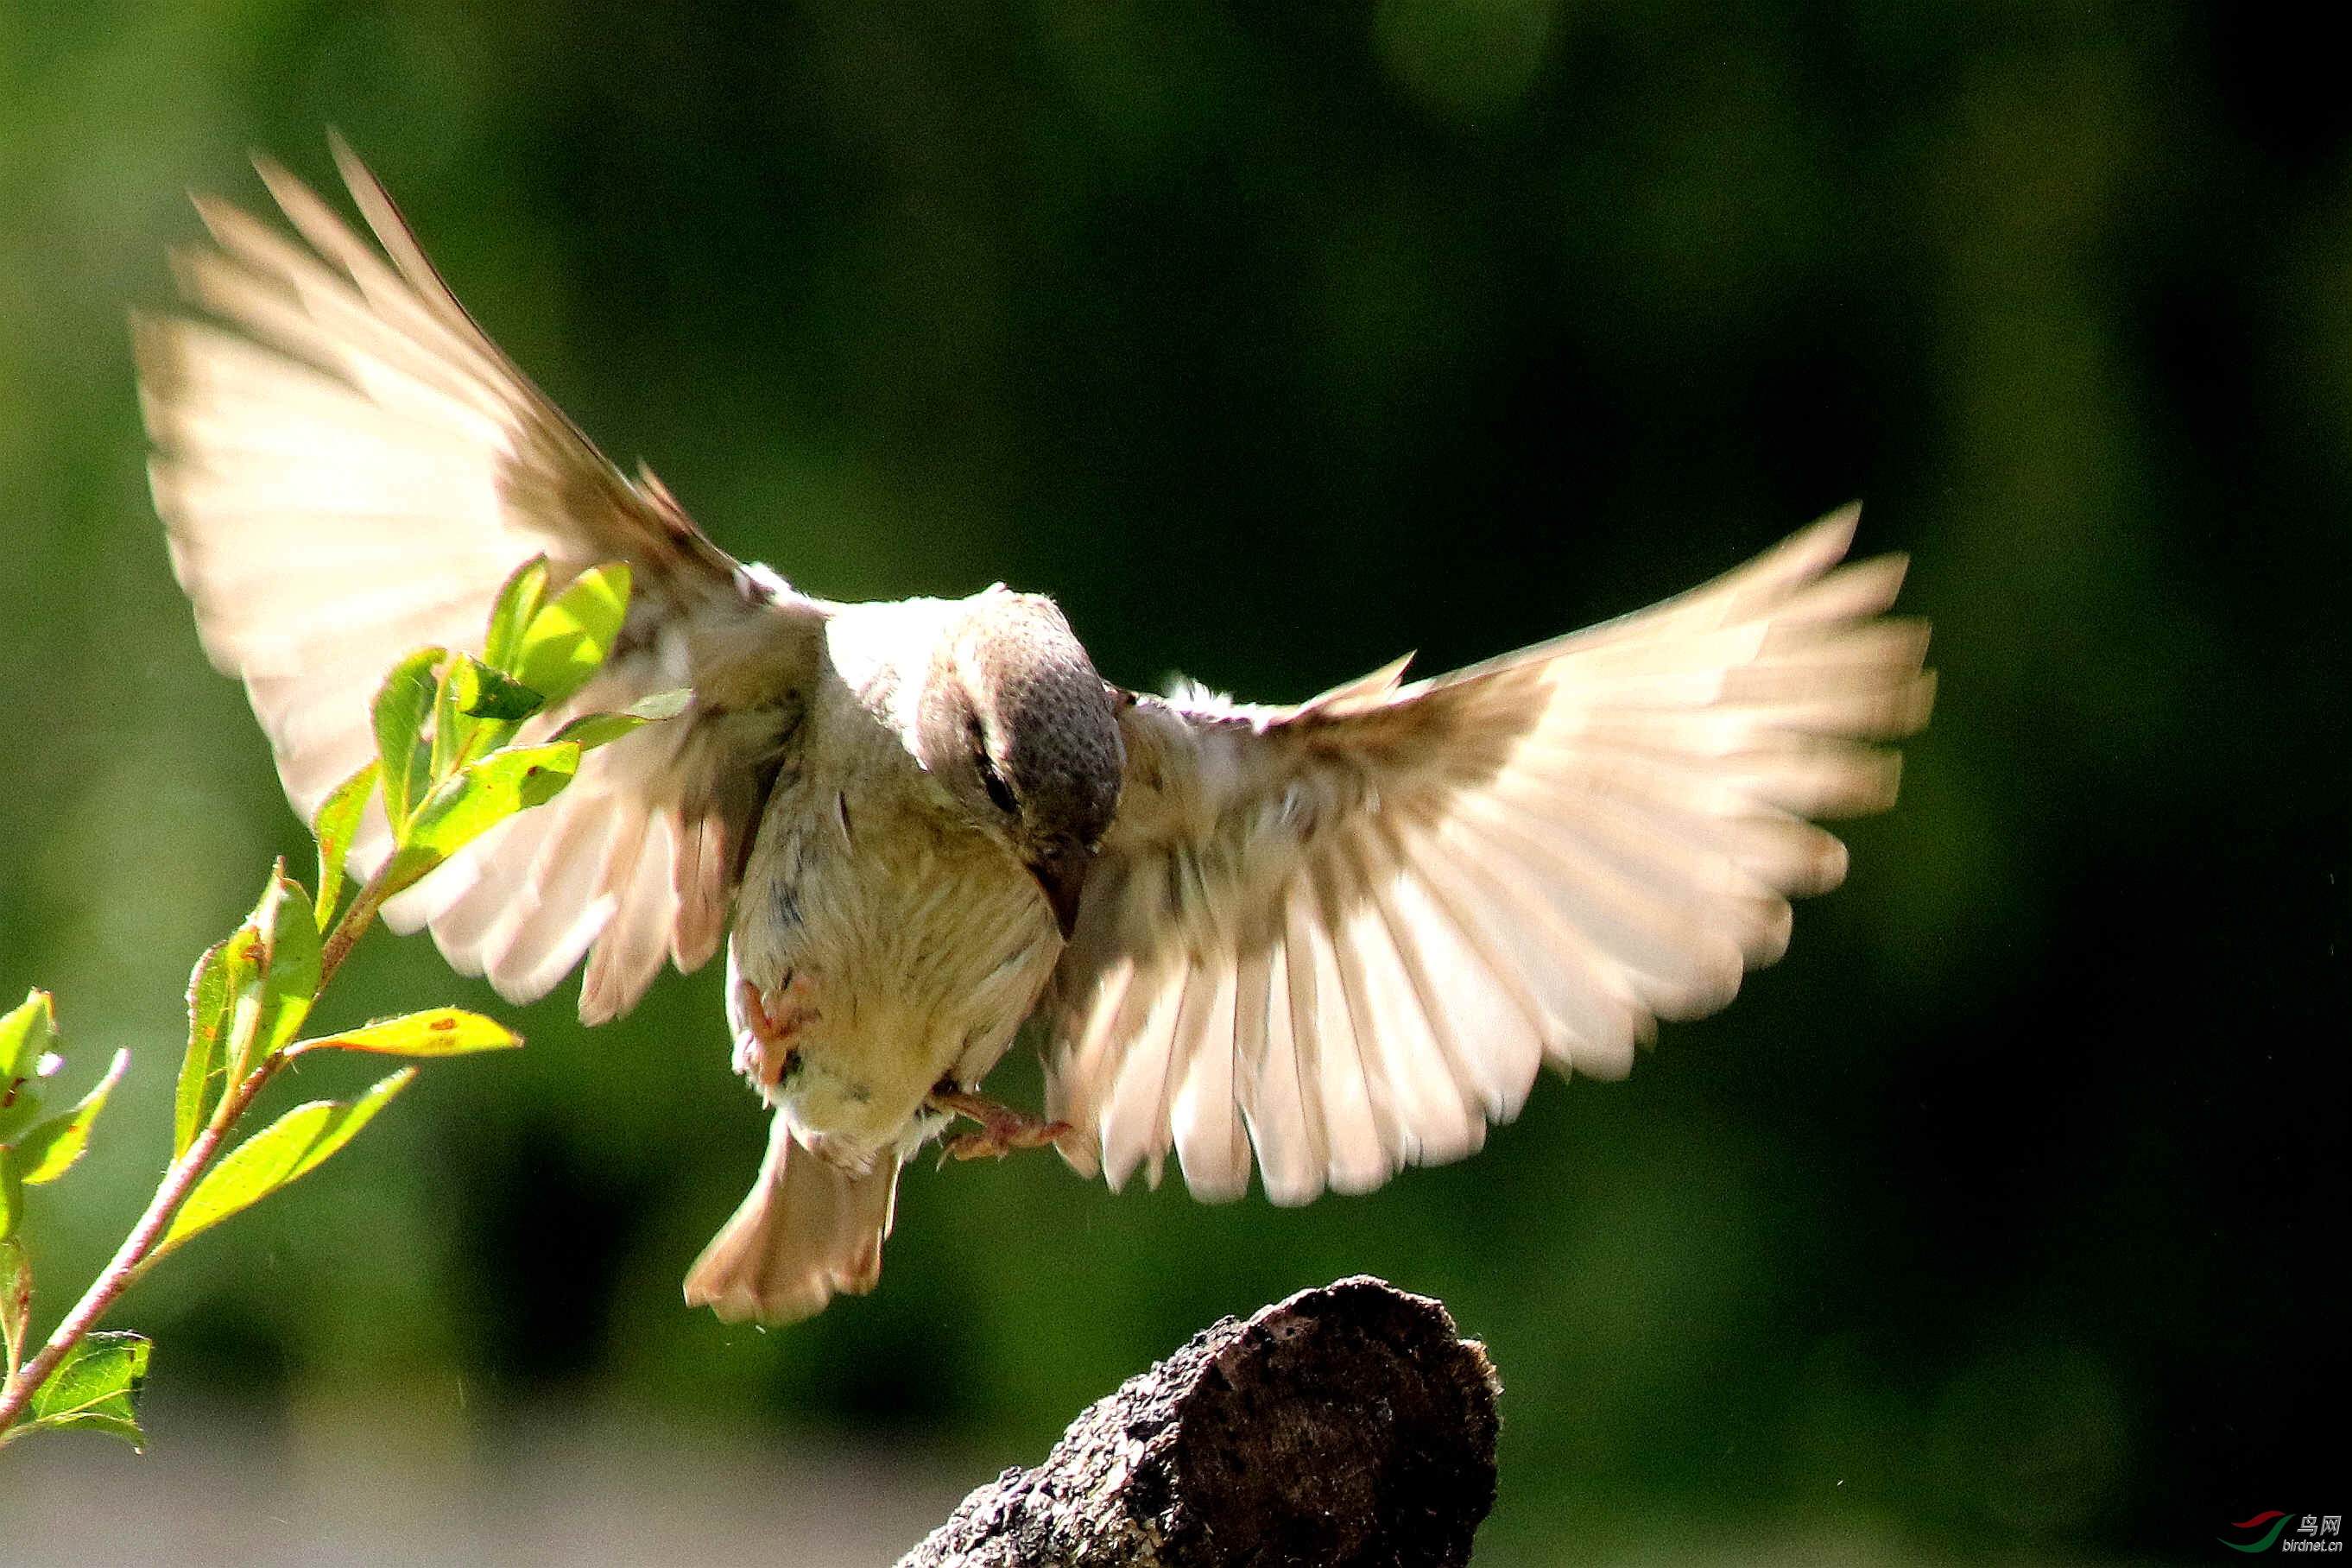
(1330, 939)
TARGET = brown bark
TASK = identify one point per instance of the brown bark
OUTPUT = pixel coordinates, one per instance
(1346, 1427)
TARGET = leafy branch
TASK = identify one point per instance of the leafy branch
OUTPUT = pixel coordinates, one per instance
(450, 765)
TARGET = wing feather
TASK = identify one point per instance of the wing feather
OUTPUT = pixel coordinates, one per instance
(1396, 901)
(1303, 1015)
(1205, 1119)
(1409, 1090)
(1490, 1046)
(348, 469)
(1266, 1090)
(1135, 1114)
(630, 950)
(1445, 1115)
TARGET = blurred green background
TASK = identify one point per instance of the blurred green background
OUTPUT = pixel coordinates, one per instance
(1276, 339)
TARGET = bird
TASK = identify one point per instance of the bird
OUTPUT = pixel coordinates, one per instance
(1323, 940)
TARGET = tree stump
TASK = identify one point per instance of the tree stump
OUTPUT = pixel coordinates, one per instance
(1345, 1428)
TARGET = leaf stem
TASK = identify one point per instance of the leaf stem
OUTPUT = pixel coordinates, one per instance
(130, 1260)
(356, 919)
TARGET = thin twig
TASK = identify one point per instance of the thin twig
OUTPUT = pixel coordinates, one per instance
(126, 1266)
(353, 925)
(130, 1260)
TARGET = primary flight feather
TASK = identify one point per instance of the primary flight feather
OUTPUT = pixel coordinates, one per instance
(1339, 938)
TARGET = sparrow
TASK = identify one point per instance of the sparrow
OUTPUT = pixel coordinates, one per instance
(1328, 941)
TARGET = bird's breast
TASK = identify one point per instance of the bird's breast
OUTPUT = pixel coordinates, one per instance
(891, 945)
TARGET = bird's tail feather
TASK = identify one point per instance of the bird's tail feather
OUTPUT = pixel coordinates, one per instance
(808, 1229)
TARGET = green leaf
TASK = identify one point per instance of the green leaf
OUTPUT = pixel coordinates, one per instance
(289, 967)
(286, 1148)
(450, 729)
(15, 1301)
(11, 1192)
(93, 1387)
(401, 705)
(590, 731)
(477, 798)
(247, 998)
(477, 710)
(25, 1035)
(567, 641)
(517, 606)
(491, 694)
(48, 1150)
(20, 1112)
(442, 1032)
(337, 824)
(222, 977)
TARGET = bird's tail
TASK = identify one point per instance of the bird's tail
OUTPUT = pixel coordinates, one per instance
(808, 1231)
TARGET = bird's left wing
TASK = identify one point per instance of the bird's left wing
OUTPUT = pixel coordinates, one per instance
(350, 469)
(1350, 932)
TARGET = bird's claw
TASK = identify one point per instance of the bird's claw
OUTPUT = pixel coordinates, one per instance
(764, 1051)
(1002, 1129)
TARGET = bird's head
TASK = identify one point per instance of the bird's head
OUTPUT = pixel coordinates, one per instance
(1023, 734)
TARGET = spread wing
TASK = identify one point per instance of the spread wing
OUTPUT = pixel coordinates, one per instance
(348, 469)
(1350, 932)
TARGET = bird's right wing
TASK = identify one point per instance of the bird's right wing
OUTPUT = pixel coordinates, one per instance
(348, 469)
(1349, 932)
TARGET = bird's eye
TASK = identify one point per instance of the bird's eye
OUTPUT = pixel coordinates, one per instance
(990, 779)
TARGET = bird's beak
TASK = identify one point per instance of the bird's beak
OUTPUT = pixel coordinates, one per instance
(1064, 878)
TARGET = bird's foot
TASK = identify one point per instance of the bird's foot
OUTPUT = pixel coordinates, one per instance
(1001, 1128)
(764, 1052)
